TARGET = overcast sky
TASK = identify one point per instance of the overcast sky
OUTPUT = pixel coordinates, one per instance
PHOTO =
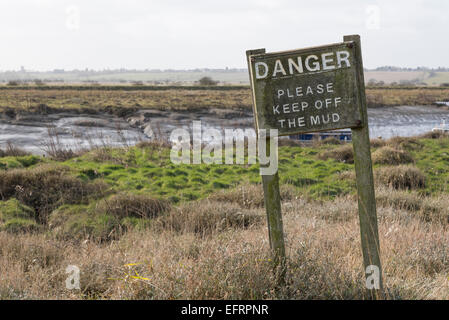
(179, 34)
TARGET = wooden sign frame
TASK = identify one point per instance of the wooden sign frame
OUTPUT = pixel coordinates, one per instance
(262, 96)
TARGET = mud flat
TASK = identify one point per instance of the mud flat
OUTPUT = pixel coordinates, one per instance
(405, 121)
(31, 131)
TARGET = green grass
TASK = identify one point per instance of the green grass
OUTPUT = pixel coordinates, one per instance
(433, 160)
(147, 173)
(16, 217)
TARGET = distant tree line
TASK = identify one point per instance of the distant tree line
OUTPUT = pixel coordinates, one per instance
(393, 68)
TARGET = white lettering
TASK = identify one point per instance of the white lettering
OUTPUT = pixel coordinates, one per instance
(326, 61)
(316, 64)
(298, 66)
(278, 68)
(343, 56)
(258, 75)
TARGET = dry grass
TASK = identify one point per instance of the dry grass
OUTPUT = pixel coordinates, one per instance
(206, 217)
(131, 205)
(391, 156)
(377, 143)
(378, 97)
(249, 196)
(231, 259)
(404, 143)
(434, 135)
(12, 151)
(125, 102)
(400, 177)
(119, 102)
(435, 209)
(344, 153)
(326, 141)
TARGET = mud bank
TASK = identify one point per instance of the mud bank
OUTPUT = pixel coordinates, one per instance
(30, 131)
(34, 131)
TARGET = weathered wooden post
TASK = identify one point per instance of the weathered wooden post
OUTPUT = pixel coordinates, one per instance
(310, 90)
(365, 185)
(272, 199)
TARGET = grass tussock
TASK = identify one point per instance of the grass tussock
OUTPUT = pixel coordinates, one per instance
(45, 187)
(208, 217)
(428, 209)
(404, 143)
(377, 143)
(434, 135)
(404, 177)
(390, 156)
(289, 143)
(107, 219)
(401, 177)
(16, 217)
(249, 196)
(344, 154)
(124, 205)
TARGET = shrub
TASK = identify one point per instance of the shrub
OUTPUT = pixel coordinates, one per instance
(54, 147)
(13, 83)
(401, 177)
(388, 155)
(39, 82)
(207, 81)
(344, 154)
(12, 151)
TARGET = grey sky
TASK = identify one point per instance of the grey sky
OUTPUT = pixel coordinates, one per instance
(48, 34)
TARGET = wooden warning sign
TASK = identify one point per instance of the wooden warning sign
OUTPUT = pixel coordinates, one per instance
(310, 90)
(307, 90)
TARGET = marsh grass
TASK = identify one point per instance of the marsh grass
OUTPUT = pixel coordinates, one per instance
(200, 232)
(205, 253)
(401, 177)
(123, 101)
(12, 151)
(343, 153)
(391, 156)
(250, 196)
(46, 187)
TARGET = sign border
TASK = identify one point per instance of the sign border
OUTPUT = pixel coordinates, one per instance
(256, 54)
